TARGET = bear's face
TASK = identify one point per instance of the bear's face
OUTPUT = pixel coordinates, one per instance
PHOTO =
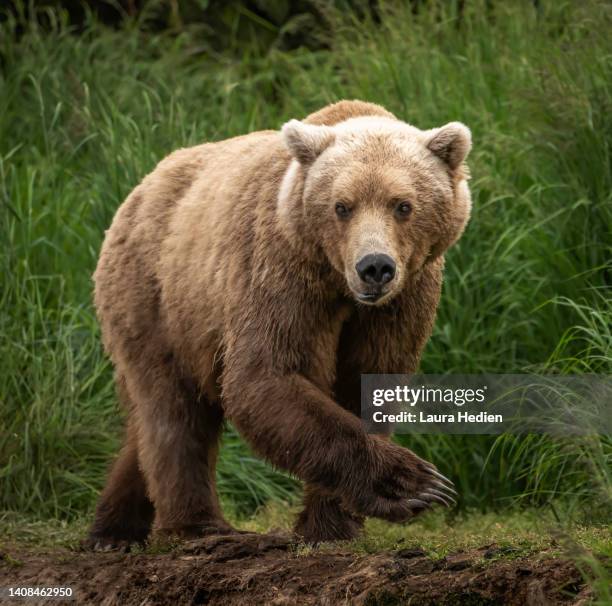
(380, 197)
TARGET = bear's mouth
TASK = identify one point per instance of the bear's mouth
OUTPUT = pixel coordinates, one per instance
(369, 297)
(372, 297)
(371, 294)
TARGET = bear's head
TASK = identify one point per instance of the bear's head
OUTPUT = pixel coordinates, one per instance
(378, 197)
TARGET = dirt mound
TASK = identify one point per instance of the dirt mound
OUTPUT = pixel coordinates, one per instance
(268, 569)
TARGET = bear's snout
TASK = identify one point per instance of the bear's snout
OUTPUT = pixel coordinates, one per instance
(375, 270)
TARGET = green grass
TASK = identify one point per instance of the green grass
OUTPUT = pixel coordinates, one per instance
(85, 116)
(438, 534)
(515, 533)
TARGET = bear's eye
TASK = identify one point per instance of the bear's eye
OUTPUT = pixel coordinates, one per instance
(342, 210)
(403, 209)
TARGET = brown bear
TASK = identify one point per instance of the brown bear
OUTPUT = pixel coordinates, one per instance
(255, 279)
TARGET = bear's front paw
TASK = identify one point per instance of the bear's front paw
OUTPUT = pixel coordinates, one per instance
(400, 484)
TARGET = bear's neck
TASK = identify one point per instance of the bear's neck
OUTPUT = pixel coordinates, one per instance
(290, 215)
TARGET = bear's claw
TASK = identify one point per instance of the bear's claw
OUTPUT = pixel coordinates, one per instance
(434, 496)
(417, 505)
(438, 489)
(444, 487)
(441, 477)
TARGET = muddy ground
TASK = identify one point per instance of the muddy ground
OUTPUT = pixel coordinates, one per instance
(268, 569)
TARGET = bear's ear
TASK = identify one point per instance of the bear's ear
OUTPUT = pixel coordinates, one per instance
(306, 141)
(451, 143)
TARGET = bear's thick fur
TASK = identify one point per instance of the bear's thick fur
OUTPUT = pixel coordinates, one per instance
(255, 279)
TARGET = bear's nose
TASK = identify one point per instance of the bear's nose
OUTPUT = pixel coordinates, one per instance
(376, 269)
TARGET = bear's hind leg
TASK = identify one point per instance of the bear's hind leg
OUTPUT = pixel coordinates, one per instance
(178, 430)
(325, 519)
(124, 513)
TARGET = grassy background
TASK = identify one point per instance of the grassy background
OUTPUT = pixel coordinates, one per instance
(84, 117)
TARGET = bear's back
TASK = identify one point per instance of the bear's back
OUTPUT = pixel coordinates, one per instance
(181, 246)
